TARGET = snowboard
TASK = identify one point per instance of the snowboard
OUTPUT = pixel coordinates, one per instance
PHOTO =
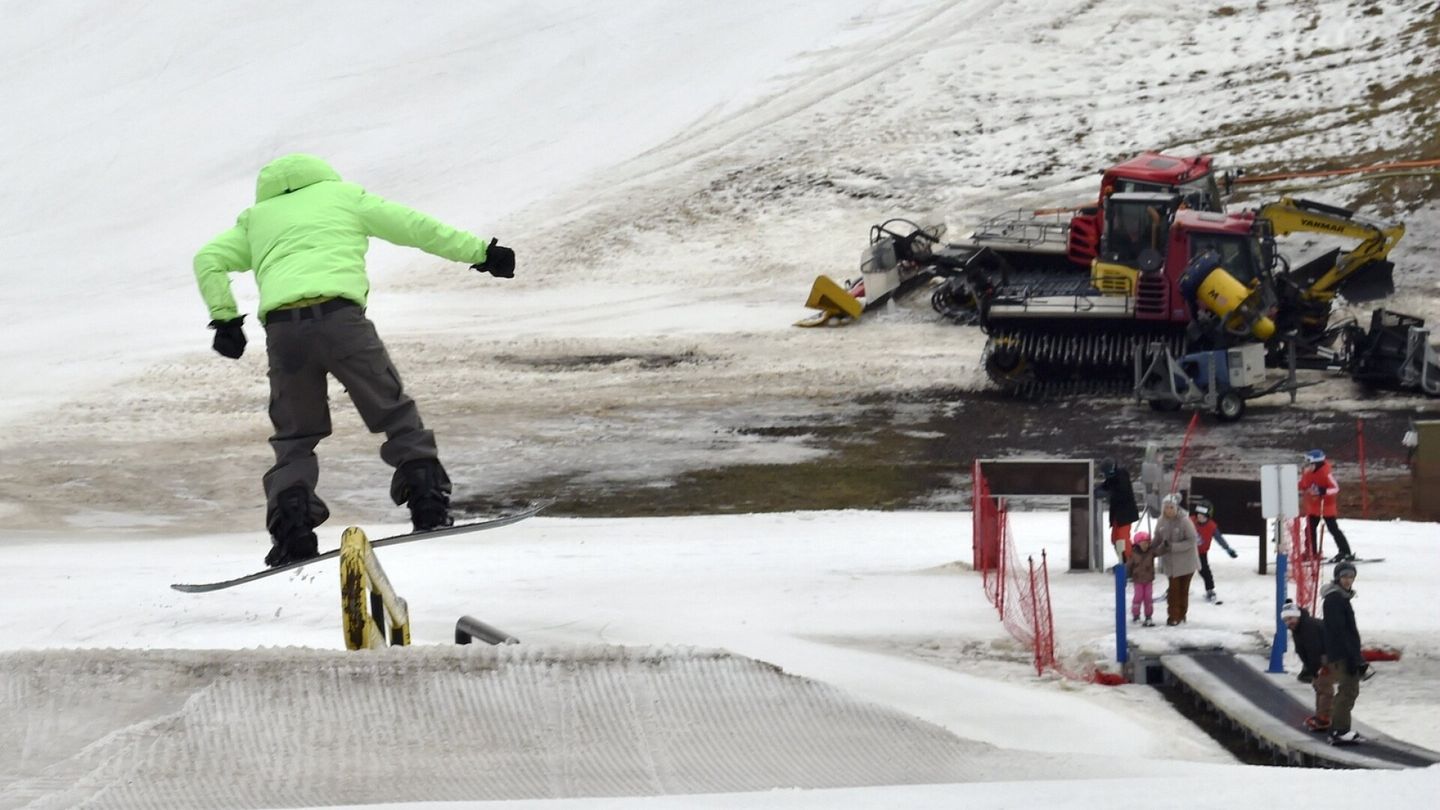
(393, 540)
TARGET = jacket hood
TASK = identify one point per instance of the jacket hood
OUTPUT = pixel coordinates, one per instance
(291, 173)
(1334, 587)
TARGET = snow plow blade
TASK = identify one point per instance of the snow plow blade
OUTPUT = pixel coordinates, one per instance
(833, 301)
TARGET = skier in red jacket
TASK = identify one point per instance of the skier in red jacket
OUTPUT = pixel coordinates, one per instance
(1318, 487)
(1209, 531)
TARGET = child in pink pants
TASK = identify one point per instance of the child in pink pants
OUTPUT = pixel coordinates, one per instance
(1142, 572)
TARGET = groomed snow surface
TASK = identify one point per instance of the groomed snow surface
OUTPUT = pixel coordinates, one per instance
(672, 181)
(658, 656)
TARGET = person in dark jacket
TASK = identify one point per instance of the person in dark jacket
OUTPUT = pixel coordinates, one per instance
(1308, 635)
(1117, 490)
(1342, 650)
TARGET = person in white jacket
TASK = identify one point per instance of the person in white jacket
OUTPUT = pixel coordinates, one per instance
(1177, 546)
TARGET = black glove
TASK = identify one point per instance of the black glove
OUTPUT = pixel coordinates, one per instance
(1305, 676)
(229, 337)
(499, 261)
(1232, 553)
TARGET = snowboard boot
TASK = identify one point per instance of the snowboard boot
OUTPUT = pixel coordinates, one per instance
(1149, 622)
(1344, 737)
(1317, 723)
(1210, 596)
(292, 527)
(423, 486)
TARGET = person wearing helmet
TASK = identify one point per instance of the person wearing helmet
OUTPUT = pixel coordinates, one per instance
(1343, 652)
(1142, 573)
(1320, 490)
(305, 238)
(1177, 545)
(1209, 531)
(1119, 493)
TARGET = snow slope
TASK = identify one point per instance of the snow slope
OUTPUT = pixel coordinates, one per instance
(672, 181)
(881, 629)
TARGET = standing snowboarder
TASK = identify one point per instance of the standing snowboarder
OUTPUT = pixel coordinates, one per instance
(1308, 633)
(305, 238)
(1119, 493)
(1342, 650)
(1320, 490)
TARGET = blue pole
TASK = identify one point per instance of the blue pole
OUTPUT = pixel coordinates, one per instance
(1277, 649)
(1122, 652)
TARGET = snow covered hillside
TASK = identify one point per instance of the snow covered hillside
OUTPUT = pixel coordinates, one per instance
(672, 183)
(672, 176)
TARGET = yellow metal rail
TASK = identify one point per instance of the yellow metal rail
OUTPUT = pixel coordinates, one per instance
(367, 598)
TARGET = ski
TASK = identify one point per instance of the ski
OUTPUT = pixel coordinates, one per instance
(394, 540)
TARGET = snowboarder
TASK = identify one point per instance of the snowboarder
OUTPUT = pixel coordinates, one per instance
(1319, 488)
(305, 238)
(1119, 493)
(1308, 635)
(1209, 530)
(1142, 572)
(1342, 650)
(1176, 544)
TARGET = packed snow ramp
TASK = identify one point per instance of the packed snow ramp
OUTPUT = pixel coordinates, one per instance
(296, 727)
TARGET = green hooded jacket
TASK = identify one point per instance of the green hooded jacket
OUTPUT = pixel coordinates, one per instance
(306, 237)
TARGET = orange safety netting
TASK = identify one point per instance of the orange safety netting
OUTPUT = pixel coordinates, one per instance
(1306, 564)
(1020, 594)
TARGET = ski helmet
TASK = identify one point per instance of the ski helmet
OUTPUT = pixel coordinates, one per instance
(1343, 568)
(1315, 457)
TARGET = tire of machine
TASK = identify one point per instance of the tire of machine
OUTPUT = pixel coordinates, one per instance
(1230, 407)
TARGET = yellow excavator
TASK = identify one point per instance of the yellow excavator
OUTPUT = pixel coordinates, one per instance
(1363, 273)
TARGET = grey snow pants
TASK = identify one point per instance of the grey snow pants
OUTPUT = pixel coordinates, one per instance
(343, 343)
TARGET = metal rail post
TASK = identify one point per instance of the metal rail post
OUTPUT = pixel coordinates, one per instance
(1122, 651)
(1277, 649)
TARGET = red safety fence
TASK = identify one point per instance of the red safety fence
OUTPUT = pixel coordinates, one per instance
(1364, 452)
(1307, 565)
(1184, 449)
(1020, 594)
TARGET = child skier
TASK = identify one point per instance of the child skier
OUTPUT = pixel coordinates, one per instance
(1308, 633)
(1208, 530)
(1142, 571)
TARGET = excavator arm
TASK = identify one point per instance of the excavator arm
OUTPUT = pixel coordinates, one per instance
(1362, 273)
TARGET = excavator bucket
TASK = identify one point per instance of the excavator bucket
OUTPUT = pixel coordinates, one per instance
(1373, 282)
(833, 301)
